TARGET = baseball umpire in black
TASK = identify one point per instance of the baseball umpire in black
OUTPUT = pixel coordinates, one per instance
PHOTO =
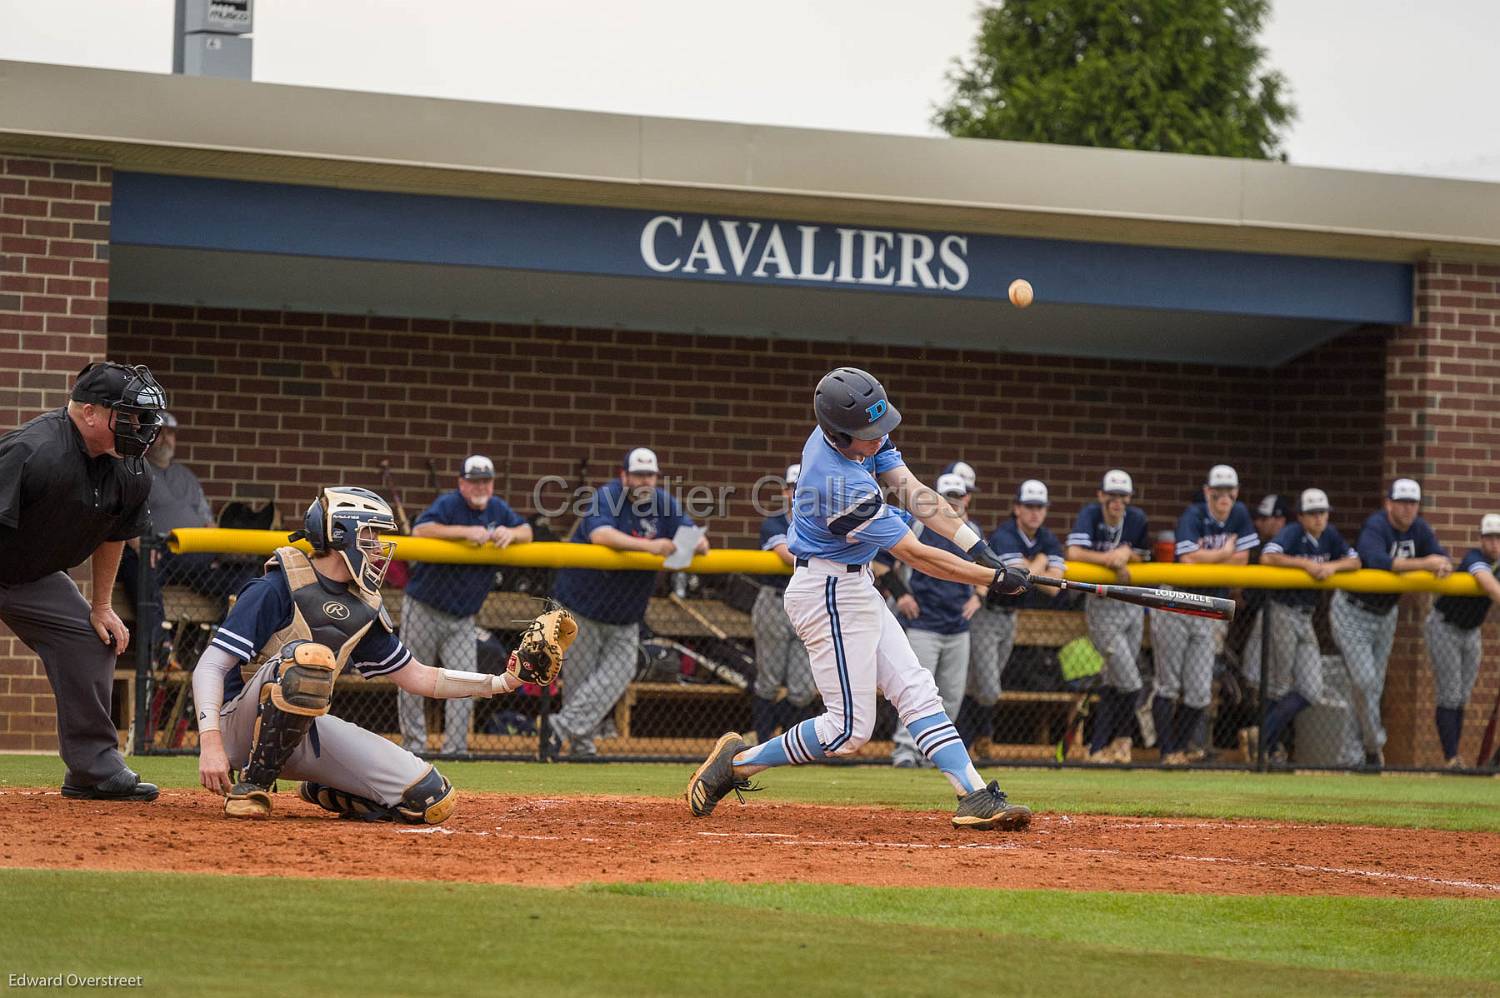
(71, 487)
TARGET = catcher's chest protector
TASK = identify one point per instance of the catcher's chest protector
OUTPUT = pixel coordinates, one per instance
(337, 620)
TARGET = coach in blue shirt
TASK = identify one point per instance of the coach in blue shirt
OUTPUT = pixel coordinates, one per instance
(629, 514)
(437, 613)
(1393, 539)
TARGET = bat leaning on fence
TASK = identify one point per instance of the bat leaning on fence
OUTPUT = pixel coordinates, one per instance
(1169, 600)
(1487, 747)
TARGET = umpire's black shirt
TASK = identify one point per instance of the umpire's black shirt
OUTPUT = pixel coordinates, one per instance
(57, 504)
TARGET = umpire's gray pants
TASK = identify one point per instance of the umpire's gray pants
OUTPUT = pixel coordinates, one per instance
(946, 656)
(780, 656)
(438, 639)
(1184, 648)
(51, 617)
(992, 635)
(599, 667)
(342, 755)
(1455, 659)
(1115, 629)
(1296, 659)
(1364, 640)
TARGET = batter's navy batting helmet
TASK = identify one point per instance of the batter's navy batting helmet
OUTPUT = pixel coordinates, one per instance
(334, 522)
(851, 405)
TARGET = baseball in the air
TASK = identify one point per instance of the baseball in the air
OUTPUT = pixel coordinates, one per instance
(1020, 292)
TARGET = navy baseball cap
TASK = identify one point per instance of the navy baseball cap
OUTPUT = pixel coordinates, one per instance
(1273, 505)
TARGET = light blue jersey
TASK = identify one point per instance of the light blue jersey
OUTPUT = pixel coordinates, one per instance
(837, 511)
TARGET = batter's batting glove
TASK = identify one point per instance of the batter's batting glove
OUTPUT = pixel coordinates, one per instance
(1012, 580)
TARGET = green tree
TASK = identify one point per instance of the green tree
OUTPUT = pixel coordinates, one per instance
(1179, 76)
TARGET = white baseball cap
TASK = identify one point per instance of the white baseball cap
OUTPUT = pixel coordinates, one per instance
(642, 461)
(1032, 493)
(1222, 476)
(793, 472)
(1313, 501)
(1489, 525)
(1406, 490)
(952, 484)
(963, 470)
(477, 466)
(1117, 483)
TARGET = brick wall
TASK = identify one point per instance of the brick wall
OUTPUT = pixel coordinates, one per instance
(276, 404)
(1443, 427)
(54, 290)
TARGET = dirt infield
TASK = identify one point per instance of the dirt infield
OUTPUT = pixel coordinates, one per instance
(580, 839)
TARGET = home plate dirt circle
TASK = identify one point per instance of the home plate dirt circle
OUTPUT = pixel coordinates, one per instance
(598, 839)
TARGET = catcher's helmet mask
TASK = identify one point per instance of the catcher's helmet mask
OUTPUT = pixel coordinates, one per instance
(851, 405)
(137, 406)
(348, 520)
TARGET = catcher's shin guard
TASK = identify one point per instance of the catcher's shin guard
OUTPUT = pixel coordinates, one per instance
(299, 693)
(429, 801)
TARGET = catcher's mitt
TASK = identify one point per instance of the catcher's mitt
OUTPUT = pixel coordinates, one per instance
(539, 657)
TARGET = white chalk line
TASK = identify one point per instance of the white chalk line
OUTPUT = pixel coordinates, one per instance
(784, 839)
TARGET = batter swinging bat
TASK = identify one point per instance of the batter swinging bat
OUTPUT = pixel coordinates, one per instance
(1170, 600)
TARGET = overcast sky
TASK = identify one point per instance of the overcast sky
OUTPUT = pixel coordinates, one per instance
(1391, 85)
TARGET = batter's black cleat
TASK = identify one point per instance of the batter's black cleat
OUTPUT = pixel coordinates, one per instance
(124, 785)
(987, 808)
(715, 778)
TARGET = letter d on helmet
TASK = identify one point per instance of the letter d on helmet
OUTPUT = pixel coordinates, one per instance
(851, 404)
(348, 519)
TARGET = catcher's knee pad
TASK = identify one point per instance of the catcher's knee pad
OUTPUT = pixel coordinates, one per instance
(429, 801)
(343, 803)
(299, 693)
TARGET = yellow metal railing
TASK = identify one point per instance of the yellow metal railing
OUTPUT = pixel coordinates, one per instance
(568, 555)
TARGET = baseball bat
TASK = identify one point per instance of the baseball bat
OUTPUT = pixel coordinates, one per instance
(387, 481)
(1487, 746)
(712, 628)
(1169, 600)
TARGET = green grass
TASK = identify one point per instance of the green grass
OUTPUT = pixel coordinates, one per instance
(196, 934)
(1447, 802)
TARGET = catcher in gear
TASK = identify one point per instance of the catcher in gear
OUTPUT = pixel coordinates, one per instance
(298, 626)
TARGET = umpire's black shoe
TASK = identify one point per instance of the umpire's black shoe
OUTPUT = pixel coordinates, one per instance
(124, 785)
(987, 808)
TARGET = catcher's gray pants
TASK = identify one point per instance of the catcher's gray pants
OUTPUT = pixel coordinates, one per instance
(1184, 648)
(992, 635)
(51, 617)
(1455, 659)
(1296, 659)
(336, 752)
(601, 663)
(1364, 639)
(438, 639)
(780, 656)
(946, 656)
(1115, 629)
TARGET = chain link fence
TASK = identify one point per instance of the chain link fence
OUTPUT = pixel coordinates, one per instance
(665, 662)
